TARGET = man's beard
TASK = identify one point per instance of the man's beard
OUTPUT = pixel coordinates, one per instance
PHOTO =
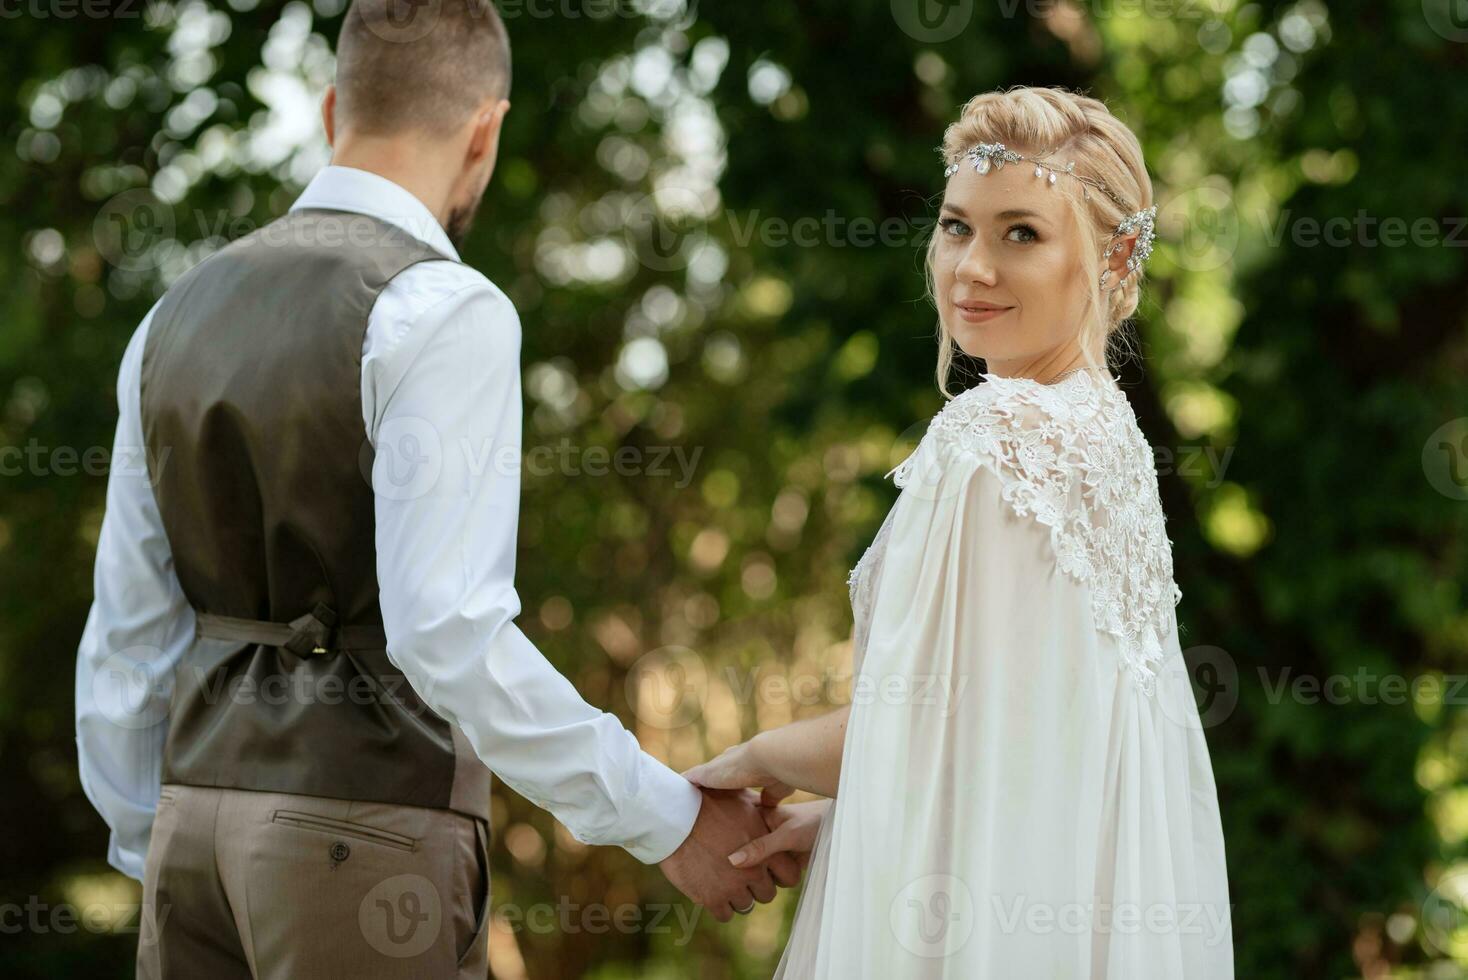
(461, 220)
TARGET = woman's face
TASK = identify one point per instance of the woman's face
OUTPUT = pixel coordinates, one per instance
(1007, 269)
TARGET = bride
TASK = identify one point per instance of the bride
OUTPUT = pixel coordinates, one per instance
(1020, 786)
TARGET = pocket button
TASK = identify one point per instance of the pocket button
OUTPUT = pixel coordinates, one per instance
(340, 851)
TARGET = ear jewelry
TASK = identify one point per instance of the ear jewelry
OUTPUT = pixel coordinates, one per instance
(993, 156)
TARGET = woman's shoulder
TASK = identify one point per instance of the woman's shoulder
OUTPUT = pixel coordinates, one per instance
(1025, 402)
(1071, 456)
(1032, 430)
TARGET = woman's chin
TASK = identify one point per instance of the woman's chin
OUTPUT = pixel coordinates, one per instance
(969, 339)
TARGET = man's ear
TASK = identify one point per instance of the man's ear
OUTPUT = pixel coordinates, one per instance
(484, 140)
(328, 114)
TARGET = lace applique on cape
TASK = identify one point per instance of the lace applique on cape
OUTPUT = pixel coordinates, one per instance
(1071, 455)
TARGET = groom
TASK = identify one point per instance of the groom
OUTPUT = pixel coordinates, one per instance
(301, 664)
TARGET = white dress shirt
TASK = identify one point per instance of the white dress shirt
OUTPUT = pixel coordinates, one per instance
(441, 404)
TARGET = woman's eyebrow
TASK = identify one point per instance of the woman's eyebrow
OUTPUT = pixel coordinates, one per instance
(1001, 216)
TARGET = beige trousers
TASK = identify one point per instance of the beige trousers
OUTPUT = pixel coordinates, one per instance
(244, 885)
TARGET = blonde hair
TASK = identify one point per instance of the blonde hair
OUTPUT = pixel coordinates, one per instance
(1066, 126)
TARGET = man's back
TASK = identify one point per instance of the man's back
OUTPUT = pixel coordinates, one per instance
(250, 398)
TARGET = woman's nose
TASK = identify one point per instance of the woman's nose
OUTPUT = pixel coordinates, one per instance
(974, 265)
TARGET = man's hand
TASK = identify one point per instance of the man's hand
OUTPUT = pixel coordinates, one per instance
(700, 868)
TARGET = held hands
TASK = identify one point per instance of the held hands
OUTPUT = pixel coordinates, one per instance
(700, 868)
(792, 827)
(742, 846)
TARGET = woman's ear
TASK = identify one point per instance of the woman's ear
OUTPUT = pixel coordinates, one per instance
(1117, 254)
(1122, 247)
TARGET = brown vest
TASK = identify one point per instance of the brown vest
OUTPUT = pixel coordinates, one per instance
(252, 415)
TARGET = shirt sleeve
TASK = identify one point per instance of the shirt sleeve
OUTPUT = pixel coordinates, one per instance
(442, 401)
(139, 627)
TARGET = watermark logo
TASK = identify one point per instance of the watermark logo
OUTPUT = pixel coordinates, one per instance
(401, 21)
(920, 463)
(931, 21)
(407, 461)
(1445, 913)
(131, 689)
(1202, 226)
(129, 227)
(402, 916)
(1447, 18)
(933, 916)
(1214, 677)
(665, 229)
(1445, 459)
(667, 687)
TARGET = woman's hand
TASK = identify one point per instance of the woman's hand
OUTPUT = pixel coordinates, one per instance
(793, 829)
(740, 767)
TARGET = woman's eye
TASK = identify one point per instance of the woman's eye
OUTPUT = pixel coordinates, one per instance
(1030, 233)
(952, 226)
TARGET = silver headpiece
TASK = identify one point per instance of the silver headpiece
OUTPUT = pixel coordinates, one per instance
(993, 156)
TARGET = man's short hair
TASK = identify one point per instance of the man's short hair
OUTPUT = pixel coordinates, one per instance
(419, 65)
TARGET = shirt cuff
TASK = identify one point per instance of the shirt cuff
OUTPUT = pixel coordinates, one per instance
(130, 863)
(658, 818)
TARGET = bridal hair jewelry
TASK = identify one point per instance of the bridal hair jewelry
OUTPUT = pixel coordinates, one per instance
(993, 156)
(1144, 222)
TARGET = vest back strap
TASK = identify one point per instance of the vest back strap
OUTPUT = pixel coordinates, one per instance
(314, 633)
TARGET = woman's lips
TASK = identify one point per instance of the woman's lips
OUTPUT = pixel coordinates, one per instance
(975, 314)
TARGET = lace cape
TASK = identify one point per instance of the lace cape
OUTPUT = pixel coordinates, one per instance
(1071, 455)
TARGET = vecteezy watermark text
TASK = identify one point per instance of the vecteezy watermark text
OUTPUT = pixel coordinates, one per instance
(37, 459)
(566, 917)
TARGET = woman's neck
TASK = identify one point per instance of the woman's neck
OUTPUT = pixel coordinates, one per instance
(1046, 369)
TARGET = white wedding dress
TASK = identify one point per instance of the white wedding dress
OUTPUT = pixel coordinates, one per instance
(1025, 788)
